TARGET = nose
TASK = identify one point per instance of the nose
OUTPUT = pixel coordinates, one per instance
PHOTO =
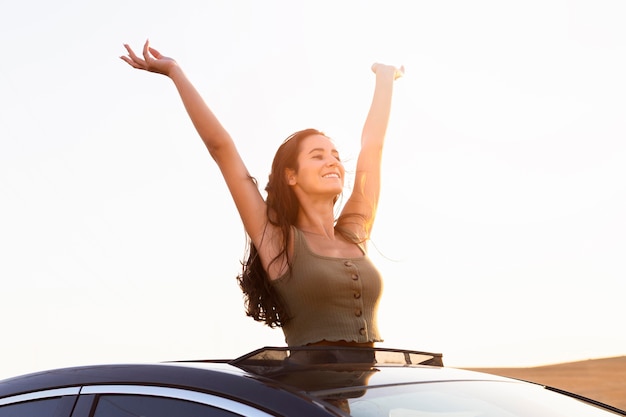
(332, 161)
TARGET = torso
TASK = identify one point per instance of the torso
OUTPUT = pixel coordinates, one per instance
(329, 299)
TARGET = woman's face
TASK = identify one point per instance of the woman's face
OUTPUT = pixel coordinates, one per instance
(320, 170)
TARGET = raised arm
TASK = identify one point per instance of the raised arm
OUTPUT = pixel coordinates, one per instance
(244, 191)
(360, 210)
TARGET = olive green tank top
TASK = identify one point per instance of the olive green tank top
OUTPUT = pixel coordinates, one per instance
(326, 298)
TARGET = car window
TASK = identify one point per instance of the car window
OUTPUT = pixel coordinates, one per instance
(146, 406)
(155, 401)
(467, 399)
(48, 407)
(49, 403)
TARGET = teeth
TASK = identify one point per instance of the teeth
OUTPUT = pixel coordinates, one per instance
(331, 176)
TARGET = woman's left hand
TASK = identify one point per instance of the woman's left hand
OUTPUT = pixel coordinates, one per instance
(378, 68)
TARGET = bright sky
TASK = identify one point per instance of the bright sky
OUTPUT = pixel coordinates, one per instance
(501, 230)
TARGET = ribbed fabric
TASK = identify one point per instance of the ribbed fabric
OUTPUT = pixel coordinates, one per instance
(329, 298)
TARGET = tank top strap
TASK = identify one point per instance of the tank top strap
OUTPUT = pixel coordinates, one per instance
(298, 241)
(362, 247)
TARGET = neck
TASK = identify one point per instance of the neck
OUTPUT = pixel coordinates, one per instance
(316, 220)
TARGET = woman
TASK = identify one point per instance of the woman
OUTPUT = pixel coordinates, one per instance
(306, 271)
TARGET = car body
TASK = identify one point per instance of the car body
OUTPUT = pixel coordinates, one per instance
(304, 382)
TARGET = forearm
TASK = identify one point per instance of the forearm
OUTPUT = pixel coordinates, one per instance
(375, 126)
(207, 125)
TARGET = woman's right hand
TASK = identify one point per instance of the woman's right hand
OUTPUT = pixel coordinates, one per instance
(152, 60)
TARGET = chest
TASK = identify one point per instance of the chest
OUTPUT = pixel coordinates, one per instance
(316, 283)
(337, 248)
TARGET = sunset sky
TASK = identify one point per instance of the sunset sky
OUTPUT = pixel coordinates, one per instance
(501, 229)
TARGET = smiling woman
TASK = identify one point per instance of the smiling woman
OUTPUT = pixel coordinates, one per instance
(306, 271)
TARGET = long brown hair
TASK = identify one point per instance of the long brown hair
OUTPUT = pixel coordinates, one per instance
(261, 301)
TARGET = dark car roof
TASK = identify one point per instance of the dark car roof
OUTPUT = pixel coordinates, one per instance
(277, 381)
(212, 378)
(266, 369)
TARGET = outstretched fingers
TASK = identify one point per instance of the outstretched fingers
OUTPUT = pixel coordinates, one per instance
(155, 53)
(152, 60)
(146, 51)
(132, 59)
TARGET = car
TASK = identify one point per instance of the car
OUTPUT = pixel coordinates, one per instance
(280, 381)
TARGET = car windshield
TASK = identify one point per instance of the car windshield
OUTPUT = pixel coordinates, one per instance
(460, 399)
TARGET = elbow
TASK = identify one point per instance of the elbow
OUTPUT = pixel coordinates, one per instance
(217, 145)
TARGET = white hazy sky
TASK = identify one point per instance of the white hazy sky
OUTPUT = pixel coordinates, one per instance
(501, 231)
